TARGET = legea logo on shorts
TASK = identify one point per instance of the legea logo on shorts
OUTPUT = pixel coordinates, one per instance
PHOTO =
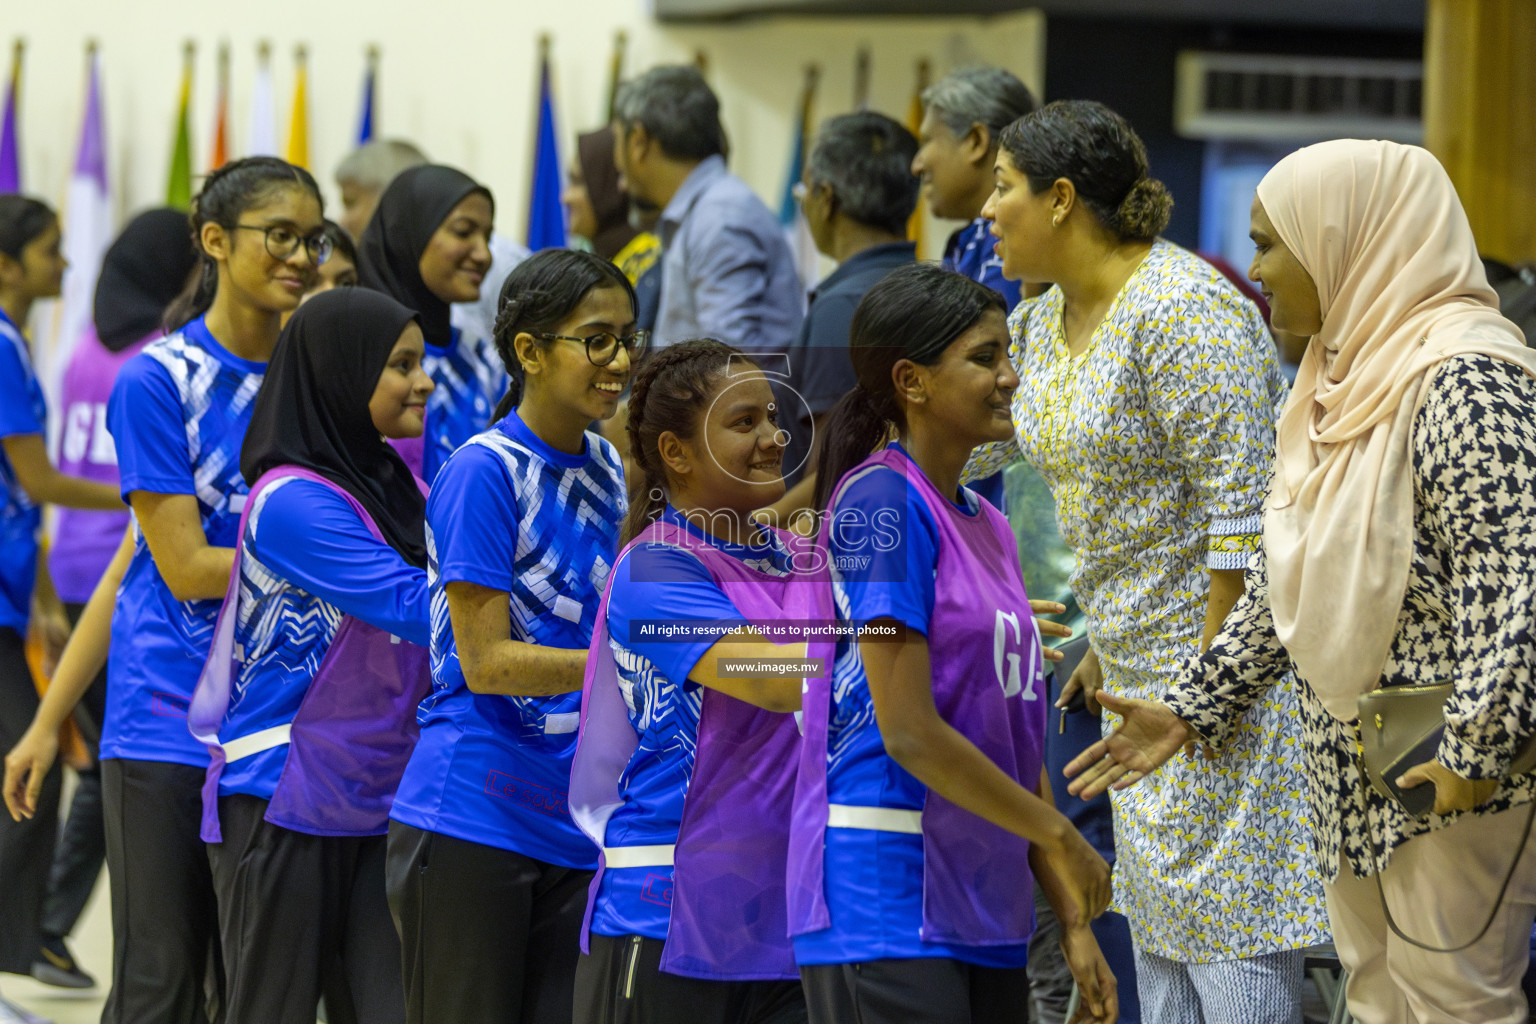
(657, 890)
(540, 798)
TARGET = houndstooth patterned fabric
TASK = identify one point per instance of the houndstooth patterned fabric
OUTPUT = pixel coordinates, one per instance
(1468, 617)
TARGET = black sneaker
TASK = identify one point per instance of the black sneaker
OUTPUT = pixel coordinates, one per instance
(54, 966)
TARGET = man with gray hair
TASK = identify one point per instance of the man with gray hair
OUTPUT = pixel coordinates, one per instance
(727, 271)
(963, 112)
(366, 172)
(857, 193)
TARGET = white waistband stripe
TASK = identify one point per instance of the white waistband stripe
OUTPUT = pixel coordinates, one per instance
(256, 742)
(878, 819)
(637, 856)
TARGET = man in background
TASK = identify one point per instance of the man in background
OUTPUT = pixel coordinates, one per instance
(727, 272)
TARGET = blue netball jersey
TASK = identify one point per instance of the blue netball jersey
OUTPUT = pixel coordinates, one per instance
(874, 879)
(660, 582)
(308, 561)
(177, 414)
(22, 411)
(470, 381)
(510, 513)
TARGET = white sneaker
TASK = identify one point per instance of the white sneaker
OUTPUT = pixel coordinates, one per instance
(10, 1013)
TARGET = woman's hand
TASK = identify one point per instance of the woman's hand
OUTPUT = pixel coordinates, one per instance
(1096, 984)
(1087, 677)
(25, 768)
(1049, 628)
(1452, 792)
(1149, 735)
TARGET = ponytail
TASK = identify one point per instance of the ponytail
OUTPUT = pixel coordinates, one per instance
(226, 195)
(670, 393)
(914, 313)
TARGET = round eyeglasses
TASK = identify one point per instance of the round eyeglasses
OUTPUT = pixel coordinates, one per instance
(282, 242)
(603, 348)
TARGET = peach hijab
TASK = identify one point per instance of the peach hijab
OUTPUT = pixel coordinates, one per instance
(1379, 227)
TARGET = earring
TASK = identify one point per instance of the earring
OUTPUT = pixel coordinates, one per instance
(1056, 221)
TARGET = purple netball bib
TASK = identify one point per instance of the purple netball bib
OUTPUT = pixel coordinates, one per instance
(988, 683)
(354, 731)
(729, 920)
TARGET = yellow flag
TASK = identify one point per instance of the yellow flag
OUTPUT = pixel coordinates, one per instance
(298, 122)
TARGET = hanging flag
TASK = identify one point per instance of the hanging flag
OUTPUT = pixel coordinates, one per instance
(791, 218)
(220, 155)
(861, 79)
(616, 70)
(298, 120)
(262, 133)
(914, 121)
(87, 231)
(546, 215)
(178, 186)
(370, 76)
(10, 141)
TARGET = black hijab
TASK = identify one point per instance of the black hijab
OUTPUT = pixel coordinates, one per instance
(410, 211)
(145, 268)
(312, 410)
(610, 206)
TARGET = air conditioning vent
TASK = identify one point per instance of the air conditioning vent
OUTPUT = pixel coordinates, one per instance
(1306, 99)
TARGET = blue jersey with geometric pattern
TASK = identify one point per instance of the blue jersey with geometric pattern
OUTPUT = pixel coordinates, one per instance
(307, 561)
(662, 582)
(22, 411)
(178, 415)
(470, 381)
(874, 879)
(510, 513)
(971, 251)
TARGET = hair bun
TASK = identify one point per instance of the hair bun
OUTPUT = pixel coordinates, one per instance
(1144, 212)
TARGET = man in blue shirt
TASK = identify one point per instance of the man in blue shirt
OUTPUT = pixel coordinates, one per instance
(857, 193)
(963, 113)
(727, 271)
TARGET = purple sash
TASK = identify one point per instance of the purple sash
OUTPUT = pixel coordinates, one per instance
(354, 731)
(729, 920)
(988, 683)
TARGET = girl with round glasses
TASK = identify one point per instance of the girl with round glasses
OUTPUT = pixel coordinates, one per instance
(522, 529)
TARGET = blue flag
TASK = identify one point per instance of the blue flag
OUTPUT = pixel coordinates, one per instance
(546, 216)
(365, 117)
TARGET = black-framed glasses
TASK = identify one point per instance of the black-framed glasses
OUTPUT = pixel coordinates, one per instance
(282, 242)
(603, 348)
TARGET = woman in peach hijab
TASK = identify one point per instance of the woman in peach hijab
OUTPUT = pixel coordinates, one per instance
(1399, 550)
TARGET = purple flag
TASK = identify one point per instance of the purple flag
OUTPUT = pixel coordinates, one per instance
(10, 147)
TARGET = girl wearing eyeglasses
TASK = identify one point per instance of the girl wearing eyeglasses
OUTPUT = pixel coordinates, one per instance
(178, 415)
(428, 246)
(487, 873)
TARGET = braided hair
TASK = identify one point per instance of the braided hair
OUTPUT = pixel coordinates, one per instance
(226, 195)
(670, 393)
(537, 297)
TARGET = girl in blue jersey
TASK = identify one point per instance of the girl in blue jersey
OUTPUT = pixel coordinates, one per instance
(918, 829)
(31, 268)
(704, 433)
(428, 245)
(487, 873)
(311, 703)
(178, 415)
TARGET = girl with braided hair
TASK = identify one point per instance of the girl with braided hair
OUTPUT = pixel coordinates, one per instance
(178, 416)
(486, 872)
(684, 772)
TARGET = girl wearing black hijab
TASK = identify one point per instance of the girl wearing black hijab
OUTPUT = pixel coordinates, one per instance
(319, 659)
(145, 268)
(428, 246)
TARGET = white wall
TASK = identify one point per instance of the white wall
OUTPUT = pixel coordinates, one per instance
(459, 77)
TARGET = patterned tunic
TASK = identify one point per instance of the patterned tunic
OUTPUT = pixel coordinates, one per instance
(1156, 441)
(1469, 617)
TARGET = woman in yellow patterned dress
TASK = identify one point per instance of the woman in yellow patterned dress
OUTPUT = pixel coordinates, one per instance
(1148, 394)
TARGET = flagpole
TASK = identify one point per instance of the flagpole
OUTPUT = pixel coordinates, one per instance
(917, 223)
(616, 70)
(298, 122)
(861, 79)
(221, 115)
(178, 189)
(10, 131)
(369, 114)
